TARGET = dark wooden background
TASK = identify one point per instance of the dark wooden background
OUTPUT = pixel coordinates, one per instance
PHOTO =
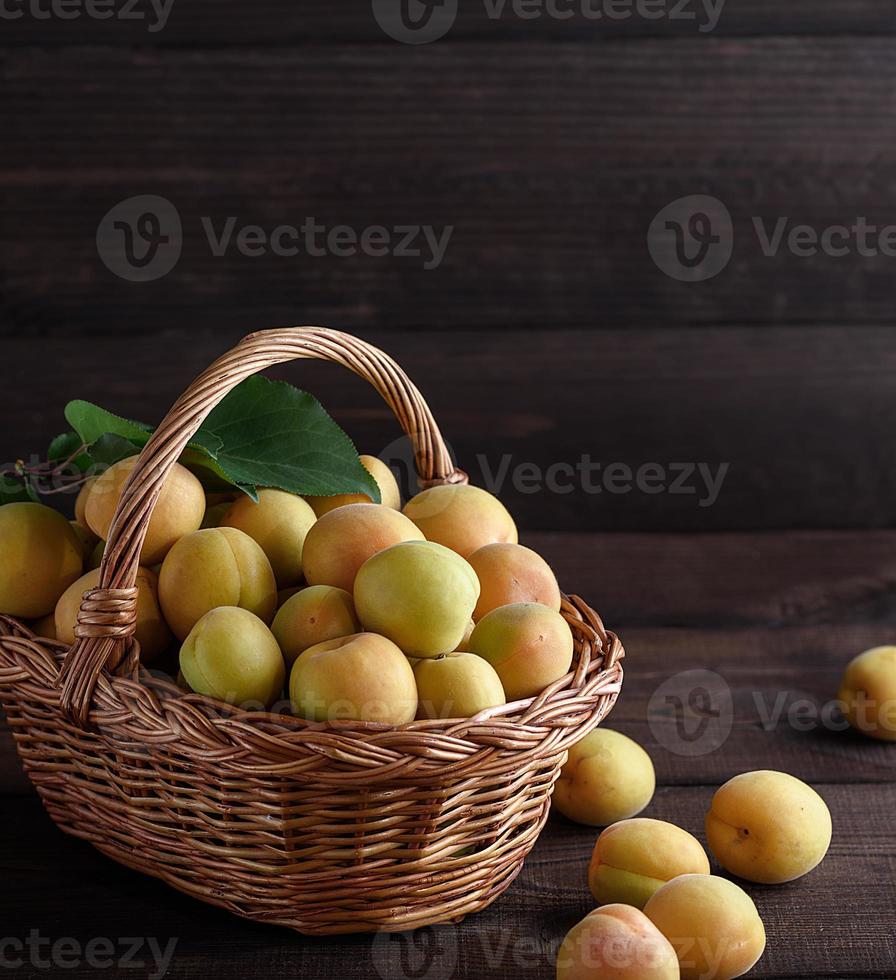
(548, 334)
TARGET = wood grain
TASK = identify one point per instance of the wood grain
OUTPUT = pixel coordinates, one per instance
(801, 416)
(548, 161)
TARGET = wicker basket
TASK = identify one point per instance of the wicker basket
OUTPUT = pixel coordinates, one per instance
(338, 828)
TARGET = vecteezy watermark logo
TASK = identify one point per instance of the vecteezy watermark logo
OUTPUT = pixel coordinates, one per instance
(415, 21)
(423, 21)
(141, 238)
(36, 952)
(155, 16)
(692, 239)
(692, 713)
(425, 954)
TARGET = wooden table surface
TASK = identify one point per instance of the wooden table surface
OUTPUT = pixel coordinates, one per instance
(775, 616)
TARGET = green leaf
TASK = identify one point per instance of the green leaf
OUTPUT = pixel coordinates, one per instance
(91, 422)
(273, 435)
(64, 446)
(15, 491)
(110, 449)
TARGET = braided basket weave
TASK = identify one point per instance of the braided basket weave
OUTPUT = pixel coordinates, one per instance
(336, 828)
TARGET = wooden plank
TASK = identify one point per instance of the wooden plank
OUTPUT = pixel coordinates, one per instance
(526, 151)
(199, 24)
(809, 933)
(801, 416)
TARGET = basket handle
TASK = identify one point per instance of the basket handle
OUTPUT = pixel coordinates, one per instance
(107, 618)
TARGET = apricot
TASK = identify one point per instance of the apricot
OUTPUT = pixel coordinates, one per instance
(40, 557)
(231, 655)
(390, 495)
(634, 858)
(86, 538)
(363, 677)
(220, 566)
(868, 693)
(417, 593)
(152, 632)
(279, 522)
(616, 942)
(178, 511)
(459, 685)
(608, 777)
(768, 827)
(81, 501)
(342, 540)
(311, 616)
(461, 517)
(529, 645)
(510, 573)
(712, 924)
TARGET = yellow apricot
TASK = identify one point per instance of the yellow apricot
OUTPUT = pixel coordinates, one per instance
(86, 538)
(40, 557)
(608, 777)
(81, 501)
(95, 559)
(511, 573)
(279, 522)
(768, 827)
(363, 677)
(231, 655)
(390, 495)
(178, 511)
(529, 645)
(311, 616)
(152, 632)
(868, 693)
(461, 517)
(417, 593)
(616, 942)
(342, 540)
(219, 566)
(632, 859)
(712, 924)
(459, 685)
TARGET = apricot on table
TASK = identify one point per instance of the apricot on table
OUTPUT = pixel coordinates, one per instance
(390, 495)
(868, 693)
(40, 557)
(608, 777)
(712, 924)
(461, 517)
(417, 593)
(529, 645)
(343, 539)
(279, 522)
(219, 566)
(311, 616)
(511, 573)
(178, 511)
(632, 859)
(152, 631)
(616, 942)
(768, 827)
(231, 655)
(363, 677)
(458, 685)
